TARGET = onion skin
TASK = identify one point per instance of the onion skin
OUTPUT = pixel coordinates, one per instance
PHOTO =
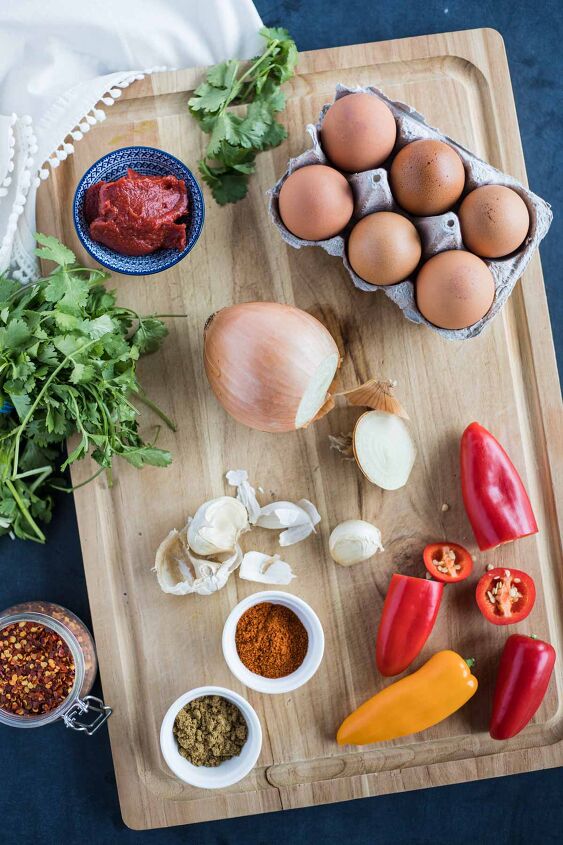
(259, 358)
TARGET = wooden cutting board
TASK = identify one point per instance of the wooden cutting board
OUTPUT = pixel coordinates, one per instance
(153, 647)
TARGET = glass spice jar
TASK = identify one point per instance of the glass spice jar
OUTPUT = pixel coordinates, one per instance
(72, 633)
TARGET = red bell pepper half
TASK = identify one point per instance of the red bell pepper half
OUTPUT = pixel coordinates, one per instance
(523, 676)
(505, 596)
(409, 612)
(447, 562)
(495, 499)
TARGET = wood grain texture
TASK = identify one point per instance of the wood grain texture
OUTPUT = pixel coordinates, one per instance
(153, 647)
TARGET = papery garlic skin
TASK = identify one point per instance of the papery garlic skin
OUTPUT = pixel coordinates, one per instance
(265, 569)
(246, 494)
(179, 572)
(216, 526)
(354, 541)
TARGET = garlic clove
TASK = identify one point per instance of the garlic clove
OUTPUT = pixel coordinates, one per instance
(296, 534)
(299, 520)
(212, 575)
(278, 515)
(376, 394)
(310, 510)
(354, 541)
(246, 494)
(216, 526)
(265, 569)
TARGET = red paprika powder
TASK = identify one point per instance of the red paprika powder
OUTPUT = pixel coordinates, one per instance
(271, 640)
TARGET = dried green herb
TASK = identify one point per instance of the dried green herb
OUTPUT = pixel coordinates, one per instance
(210, 730)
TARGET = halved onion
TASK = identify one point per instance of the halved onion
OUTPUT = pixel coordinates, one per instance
(384, 449)
(270, 365)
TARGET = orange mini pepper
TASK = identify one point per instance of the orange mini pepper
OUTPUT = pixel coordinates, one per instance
(413, 704)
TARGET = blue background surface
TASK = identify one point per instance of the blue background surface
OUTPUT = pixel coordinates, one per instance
(58, 786)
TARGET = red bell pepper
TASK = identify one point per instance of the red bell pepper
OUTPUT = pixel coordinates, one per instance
(447, 562)
(495, 499)
(524, 671)
(409, 612)
(505, 596)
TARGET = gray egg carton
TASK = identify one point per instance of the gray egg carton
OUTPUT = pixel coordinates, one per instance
(372, 193)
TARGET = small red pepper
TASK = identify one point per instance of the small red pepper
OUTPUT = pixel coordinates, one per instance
(409, 612)
(505, 596)
(495, 499)
(523, 676)
(447, 562)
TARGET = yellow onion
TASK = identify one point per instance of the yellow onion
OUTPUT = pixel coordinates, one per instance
(270, 365)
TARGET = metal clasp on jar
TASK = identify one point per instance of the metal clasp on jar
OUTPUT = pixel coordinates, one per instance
(90, 704)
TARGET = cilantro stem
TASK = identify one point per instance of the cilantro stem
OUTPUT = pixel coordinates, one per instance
(150, 404)
(21, 505)
(238, 85)
(78, 486)
(30, 472)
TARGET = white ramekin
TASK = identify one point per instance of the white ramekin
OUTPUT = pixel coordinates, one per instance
(314, 652)
(228, 772)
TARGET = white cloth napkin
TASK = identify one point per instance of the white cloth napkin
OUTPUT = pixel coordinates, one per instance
(62, 63)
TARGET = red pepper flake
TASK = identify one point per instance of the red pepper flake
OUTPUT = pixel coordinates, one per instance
(36, 669)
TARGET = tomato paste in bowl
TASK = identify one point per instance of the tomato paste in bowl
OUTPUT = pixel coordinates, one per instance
(138, 210)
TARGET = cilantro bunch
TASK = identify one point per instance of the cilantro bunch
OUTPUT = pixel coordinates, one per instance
(68, 356)
(238, 135)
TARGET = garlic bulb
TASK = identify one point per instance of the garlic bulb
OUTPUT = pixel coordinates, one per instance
(353, 541)
(216, 526)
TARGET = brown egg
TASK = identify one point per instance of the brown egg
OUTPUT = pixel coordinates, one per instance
(384, 248)
(454, 289)
(427, 177)
(494, 221)
(316, 202)
(358, 132)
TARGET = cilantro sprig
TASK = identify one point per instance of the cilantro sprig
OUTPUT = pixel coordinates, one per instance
(68, 356)
(237, 135)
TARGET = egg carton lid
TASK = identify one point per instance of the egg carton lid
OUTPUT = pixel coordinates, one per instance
(372, 193)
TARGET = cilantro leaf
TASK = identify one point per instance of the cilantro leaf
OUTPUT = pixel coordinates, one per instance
(208, 98)
(15, 335)
(68, 367)
(53, 250)
(68, 290)
(150, 455)
(149, 335)
(82, 373)
(224, 74)
(236, 136)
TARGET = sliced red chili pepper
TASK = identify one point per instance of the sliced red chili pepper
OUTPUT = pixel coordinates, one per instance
(447, 562)
(409, 612)
(495, 499)
(525, 668)
(505, 596)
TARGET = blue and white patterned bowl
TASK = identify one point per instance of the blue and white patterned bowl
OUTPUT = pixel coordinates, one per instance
(150, 162)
